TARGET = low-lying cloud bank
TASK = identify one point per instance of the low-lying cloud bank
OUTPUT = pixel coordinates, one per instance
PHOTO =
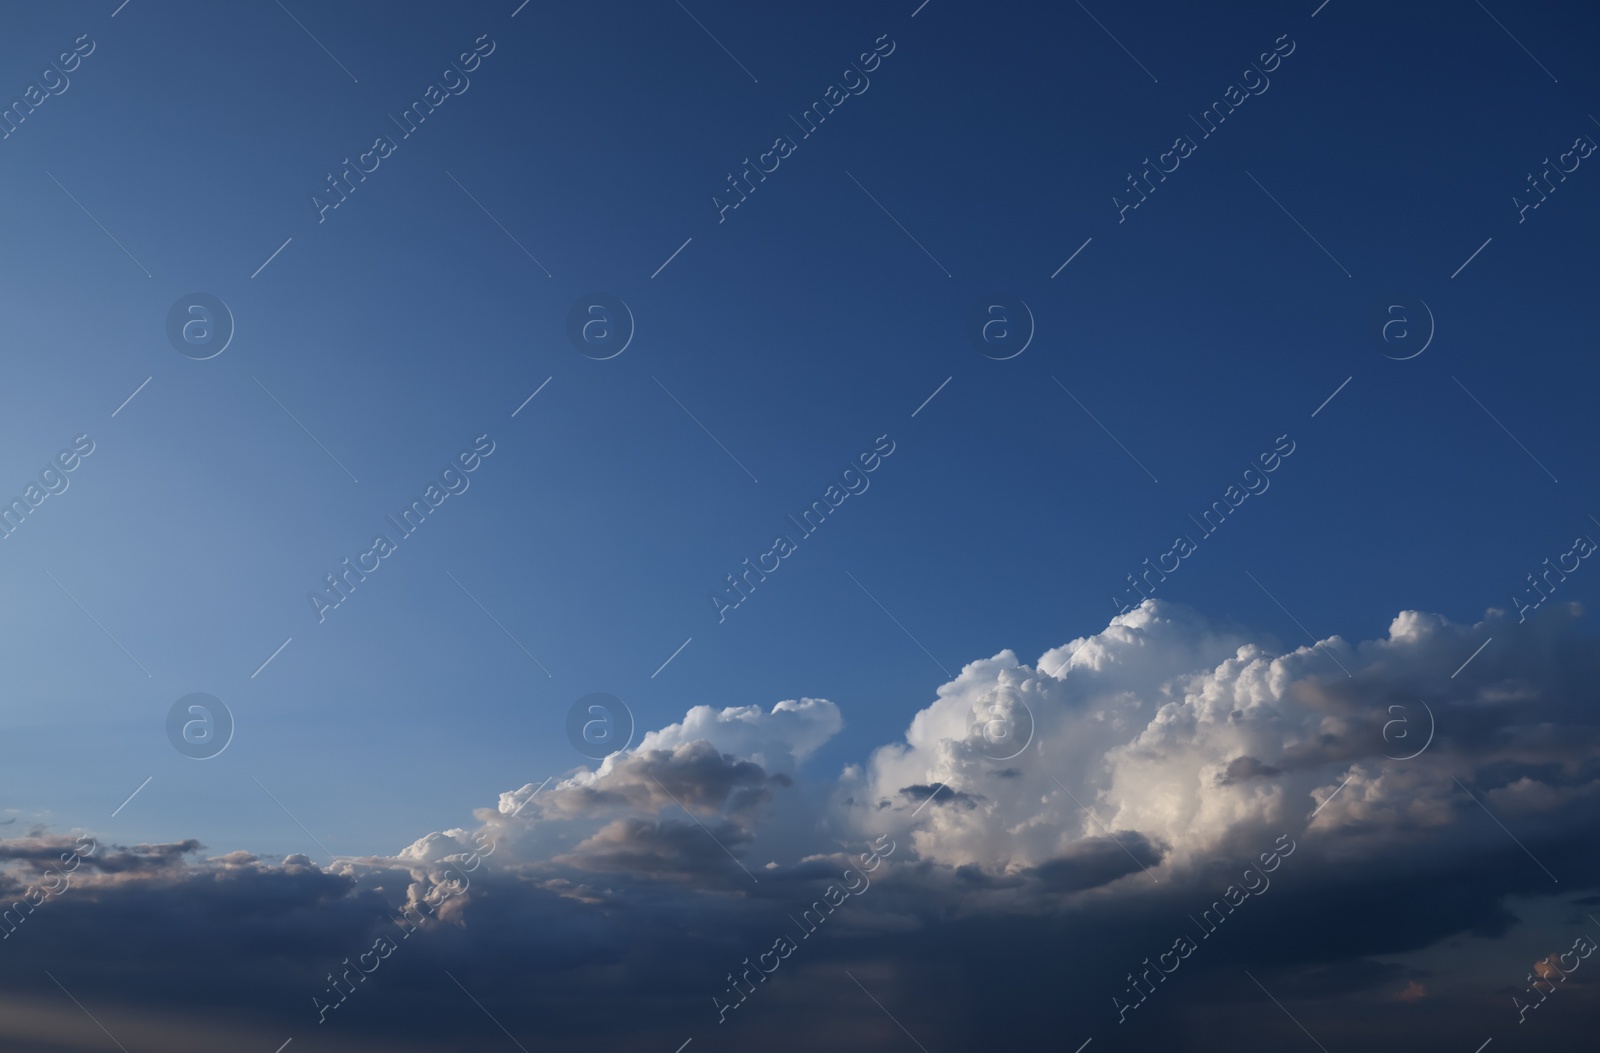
(1164, 754)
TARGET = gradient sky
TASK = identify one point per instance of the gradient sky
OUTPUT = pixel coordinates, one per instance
(782, 339)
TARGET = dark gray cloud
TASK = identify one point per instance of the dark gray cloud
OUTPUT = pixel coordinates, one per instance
(629, 938)
(1096, 861)
(942, 796)
(660, 850)
(1243, 768)
(694, 775)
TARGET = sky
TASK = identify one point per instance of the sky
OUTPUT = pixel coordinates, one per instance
(1192, 409)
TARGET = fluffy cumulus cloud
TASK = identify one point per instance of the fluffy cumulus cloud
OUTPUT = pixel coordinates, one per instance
(1182, 735)
(779, 739)
(1092, 798)
(728, 765)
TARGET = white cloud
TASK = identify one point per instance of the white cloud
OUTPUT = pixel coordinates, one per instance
(1192, 735)
(779, 740)
(727, 760)
(1180, 737)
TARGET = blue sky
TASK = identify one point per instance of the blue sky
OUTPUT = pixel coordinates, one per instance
(781, 341)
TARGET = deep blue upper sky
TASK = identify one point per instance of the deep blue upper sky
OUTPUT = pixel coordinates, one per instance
(797, 331)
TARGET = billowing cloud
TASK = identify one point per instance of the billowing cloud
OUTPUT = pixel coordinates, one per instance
(660, 850)
(779, 739)
(1185, 736)
(1166, 754)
